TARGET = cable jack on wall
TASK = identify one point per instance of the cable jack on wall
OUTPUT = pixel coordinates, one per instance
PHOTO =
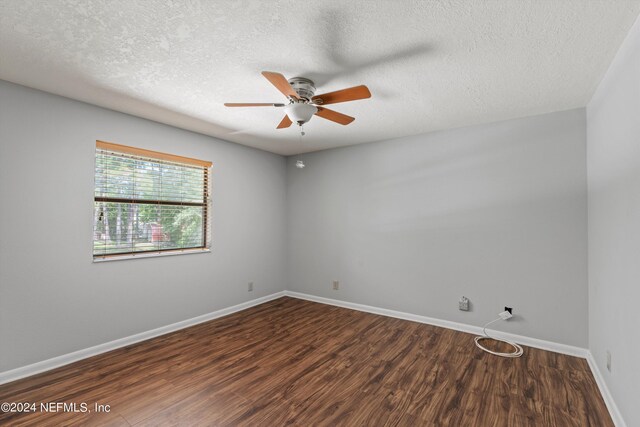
(518, 351)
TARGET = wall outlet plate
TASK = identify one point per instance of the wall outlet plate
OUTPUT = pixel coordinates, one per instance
(336, 285)
(463, 304)
(608, 361)
(250, 287)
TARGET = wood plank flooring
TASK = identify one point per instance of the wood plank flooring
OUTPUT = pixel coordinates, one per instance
(294, 362)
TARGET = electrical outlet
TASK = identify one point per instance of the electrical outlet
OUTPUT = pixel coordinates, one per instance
(336, 285)
(608, 361)
(250, 287)
(463, 304)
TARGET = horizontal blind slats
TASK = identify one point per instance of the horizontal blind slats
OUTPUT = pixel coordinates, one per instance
(153, 155)
(149, 205)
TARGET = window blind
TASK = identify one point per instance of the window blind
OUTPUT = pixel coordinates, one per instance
(148, 202)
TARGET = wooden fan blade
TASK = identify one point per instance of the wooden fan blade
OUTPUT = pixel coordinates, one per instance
(334, 116)
(285, 123)
(344, 95)
(248, 104)
(281, 83)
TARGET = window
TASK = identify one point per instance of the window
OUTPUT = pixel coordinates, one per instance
(148, 203)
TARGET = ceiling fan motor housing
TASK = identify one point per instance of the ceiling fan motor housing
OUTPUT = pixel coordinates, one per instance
(305, 88)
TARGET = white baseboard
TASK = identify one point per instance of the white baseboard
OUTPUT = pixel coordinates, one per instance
(65, 359)
(56, 362)
(616, 416)
(476, 330)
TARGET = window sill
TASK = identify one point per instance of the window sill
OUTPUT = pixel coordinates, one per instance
(109, 258)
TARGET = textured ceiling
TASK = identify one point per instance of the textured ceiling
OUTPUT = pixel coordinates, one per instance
(430, 65)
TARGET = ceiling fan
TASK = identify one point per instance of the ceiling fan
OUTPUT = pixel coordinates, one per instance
(303, 103)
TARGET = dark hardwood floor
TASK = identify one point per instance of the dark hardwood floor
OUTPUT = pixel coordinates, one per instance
(301, 363)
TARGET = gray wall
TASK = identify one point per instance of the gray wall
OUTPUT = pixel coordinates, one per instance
(494, 212)
(53, 299)
(613, 143)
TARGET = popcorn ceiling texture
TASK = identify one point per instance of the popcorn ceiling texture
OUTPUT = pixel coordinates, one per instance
(430, 65)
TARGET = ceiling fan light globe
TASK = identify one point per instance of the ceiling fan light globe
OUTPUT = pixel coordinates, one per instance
(300, 112)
